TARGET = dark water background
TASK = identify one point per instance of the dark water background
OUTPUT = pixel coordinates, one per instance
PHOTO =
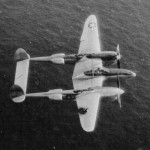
(44, 27)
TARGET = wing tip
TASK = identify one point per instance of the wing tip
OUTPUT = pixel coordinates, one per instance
(86, 124)
(88, 129)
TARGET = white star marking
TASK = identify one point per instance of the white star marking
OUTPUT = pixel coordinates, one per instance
(92, 25)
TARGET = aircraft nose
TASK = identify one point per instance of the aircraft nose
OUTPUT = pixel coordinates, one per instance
(133, 74)
(120, 91)
(130, 74)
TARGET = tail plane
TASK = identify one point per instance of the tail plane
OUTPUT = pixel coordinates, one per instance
(18, 90)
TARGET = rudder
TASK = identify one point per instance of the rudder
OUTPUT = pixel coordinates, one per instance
(17, 94)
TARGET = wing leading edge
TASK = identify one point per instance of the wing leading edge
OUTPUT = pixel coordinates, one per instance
(89, 43)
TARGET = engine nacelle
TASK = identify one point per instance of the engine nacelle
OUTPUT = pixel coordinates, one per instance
(60, 55)
(107, 55)
(70, 61)
(55, 97)
(110, 91)
(58, 60)
(55, 91)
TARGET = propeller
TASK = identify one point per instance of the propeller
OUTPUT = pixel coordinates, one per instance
(118, 65)
(118, 55)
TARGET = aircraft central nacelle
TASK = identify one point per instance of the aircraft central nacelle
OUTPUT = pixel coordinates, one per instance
(113, 72)
(106, 73)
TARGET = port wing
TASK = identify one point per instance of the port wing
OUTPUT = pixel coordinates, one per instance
(89, 43)
(90, 103)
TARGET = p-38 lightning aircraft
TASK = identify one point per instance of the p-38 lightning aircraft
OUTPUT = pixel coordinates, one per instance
(88, 76)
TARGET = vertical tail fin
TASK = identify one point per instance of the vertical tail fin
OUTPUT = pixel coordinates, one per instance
(17, 94)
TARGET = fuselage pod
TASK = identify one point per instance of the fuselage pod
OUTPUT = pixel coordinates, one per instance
(107, 73)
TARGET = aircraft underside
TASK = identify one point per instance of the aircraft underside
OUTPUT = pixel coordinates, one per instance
(88, 76)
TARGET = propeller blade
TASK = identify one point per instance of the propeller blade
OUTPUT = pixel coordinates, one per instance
(118, 49)
(118, 97)
(118, 63)
(119, 101)
(118, 82)
(118, 56)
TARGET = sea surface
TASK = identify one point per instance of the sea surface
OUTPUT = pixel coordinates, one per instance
(45, 27)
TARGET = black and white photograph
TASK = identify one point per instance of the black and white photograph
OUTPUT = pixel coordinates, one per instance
(74, 75)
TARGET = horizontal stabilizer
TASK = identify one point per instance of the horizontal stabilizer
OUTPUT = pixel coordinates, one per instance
(17, 94)
(20, 55)
(21, 75)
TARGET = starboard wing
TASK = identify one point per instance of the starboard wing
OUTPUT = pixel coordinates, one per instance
(89, 43)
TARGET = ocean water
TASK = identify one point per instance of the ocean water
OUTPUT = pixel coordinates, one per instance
(45, 27)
